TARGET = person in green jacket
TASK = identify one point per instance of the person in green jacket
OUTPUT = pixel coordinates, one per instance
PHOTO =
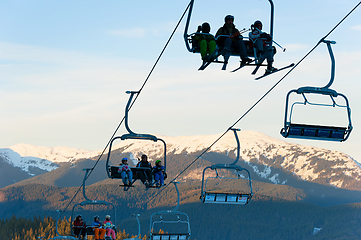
(206, 42)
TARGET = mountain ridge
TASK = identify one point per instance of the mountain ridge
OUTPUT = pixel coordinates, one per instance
(262, 153)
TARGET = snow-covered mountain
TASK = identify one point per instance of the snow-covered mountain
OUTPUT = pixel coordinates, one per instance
(307, 163)
(35, 160)
(53, 154)
(263, 154)
(26, 163)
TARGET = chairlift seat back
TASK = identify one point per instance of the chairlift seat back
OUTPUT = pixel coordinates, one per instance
(305, 131)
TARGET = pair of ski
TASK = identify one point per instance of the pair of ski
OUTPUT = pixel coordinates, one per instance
(126, 187)
(212, 59)
(260, 64)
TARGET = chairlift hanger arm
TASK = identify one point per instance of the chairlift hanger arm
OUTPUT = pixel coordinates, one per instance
(238, 145)
(127, 109)
(332, 61)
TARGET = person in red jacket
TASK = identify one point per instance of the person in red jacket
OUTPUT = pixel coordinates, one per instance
(79, 227)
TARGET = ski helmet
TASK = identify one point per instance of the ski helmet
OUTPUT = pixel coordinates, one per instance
(124, 159)
(96, 217)
(158, 161)
(228, 17)
(206, 28)
(107, 216)
(258, 22)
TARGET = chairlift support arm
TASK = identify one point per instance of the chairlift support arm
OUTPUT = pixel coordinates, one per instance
(133, 135)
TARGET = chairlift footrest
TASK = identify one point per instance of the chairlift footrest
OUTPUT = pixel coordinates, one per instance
(327, 133)
(227, 198)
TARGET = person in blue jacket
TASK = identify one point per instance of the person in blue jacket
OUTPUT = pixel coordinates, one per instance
(158, 171)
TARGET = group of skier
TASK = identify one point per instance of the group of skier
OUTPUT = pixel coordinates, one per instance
(228, 37)
(145, 172)
(99, 229)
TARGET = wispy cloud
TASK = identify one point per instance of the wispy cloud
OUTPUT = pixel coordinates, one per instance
(133, 33)
(137, 32)
(357, 27)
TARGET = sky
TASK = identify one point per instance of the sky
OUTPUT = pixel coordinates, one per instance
(65, 67)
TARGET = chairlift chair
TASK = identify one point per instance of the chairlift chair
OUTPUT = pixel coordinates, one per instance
(317, 132)
(221, 197)
(193, 47)
(59, 236)
(112, 171)
(170, 218)
(88, 202)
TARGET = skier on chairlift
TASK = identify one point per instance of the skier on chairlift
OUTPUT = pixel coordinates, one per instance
(263, 42)
(226, 42)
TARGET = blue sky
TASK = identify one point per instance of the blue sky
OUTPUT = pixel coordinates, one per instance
(65, 67)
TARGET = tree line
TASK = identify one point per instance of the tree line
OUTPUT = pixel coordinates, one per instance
(31, 229)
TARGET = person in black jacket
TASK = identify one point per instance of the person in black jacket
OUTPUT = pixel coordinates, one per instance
(228, 38)
(145, 172)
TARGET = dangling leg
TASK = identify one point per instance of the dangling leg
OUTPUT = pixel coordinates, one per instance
(243, 53)
(113, 234)
(227, 52)
(102, 233)
(161, 178)
(108, 231)
(156, 178)
(130, 177)
(96, 233)
(270, 59)
(203, 50)
(211, 49)
(123, 175)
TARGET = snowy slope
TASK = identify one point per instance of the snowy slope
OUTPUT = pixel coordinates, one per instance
(27, 164)
(54, 154)
(29, 157)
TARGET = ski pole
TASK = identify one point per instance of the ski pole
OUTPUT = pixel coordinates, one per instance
(283, 49)
(244, 30)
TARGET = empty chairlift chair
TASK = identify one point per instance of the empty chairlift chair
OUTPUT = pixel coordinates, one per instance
(316, 131)
(241, 176)
(173, 223)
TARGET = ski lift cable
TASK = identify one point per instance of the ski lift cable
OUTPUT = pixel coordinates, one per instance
(143, 85)
(318, 43)
(222, 135)
(145, 81)
(206, 150)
